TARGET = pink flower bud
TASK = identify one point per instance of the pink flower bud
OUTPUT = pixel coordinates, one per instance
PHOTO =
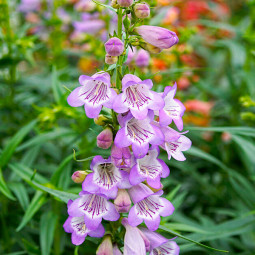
(104, 139)
(122, 202)
(105, 248)
(114, 47)
(158, 36)
(125, 3)
(110, 60)
(116, 250)
(79, 176)
(142, 10)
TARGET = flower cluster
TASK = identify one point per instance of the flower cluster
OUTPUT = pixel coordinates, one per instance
(129, 181)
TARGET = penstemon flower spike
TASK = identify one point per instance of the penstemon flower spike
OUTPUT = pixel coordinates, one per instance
(124, 190)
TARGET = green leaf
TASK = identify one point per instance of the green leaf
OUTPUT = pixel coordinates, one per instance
(188, 239)
(104, 5)
(31, 155)
(57, 89)
(21, 193)
(14, 142)
(38, 200)
(47, 227)
(4, 188)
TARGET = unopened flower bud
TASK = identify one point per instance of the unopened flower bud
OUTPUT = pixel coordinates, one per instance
(142, 58)
(105, 138)
(121, 157)
(110, 60)
(105, 248)
(114, 47)
(79, 176)
(100, 120)
(125, 3)
(122, 202)
(142, 10)
(116, 250)
(114, 4)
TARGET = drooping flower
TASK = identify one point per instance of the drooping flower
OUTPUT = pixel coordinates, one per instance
(142, 58)
(121, 157)
(148, 207)
(94, 93)
(133, 241)
(105, 248)
(138, 133)
(79, 230)
(160, 245)
(105, 138)
(122, 202)
(93, 207)
(149, 168)
(137, 97)
(158, 36)
(114, 47)
(106, 178)
(175, 143)
(142, 10)
(173, 109)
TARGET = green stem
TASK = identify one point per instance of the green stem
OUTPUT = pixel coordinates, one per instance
(118, 68)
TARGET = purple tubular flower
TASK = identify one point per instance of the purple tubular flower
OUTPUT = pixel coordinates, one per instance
(173, 109)
(121, 157)
(106, 178)
(138, 133)
(114, 47)
(142, 58)
(137, 97)
(79, 230)
(148, 207)
(175, 143)
(93, 207)
(158, 36)
(122, 202)
(133, 241)
(159, 244)
(94, 93)
(149, 168)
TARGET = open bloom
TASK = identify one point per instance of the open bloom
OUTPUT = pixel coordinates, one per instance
(149, 168)
(138, 133)
(160, 245)
(148, 207)
(79, 230)
(158, 36)
(121, 157)
(137, 97)
(173, 109)
(133, 242)
(93, 207)
(175, 143)
(94, 93)
(106, 178)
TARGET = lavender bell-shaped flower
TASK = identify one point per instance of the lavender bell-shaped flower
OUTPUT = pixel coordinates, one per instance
(122, 202)
(133, 242)
(114, 47)
(94, 93)
(137, 97)
(158, 36)
(160, 245)
(79, 230)
(149, 168)
(105, 138)
(173, 109)
(138, 133)
(148, 207)
(93, 208)
(106, 178)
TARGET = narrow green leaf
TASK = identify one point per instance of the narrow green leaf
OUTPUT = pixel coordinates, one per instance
(57, 89)
(47, 227)
(38, 200)
(4, 188)
(31, 155)
(14, 142)
(190, 240)
(21, 193)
